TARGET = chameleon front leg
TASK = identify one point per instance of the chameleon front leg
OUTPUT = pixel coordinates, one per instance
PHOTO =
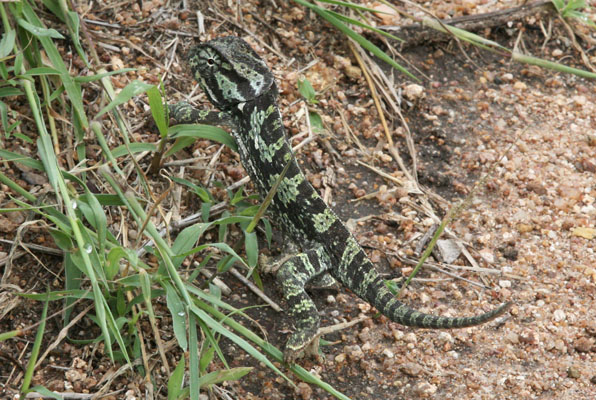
(293, 276)
(184, 113)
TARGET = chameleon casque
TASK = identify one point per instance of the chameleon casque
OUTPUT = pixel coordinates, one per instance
(239, 83)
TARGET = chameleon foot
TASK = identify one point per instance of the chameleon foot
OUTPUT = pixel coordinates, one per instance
(311, 349)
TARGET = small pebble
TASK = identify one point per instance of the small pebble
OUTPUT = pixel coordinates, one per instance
(583, 344)
(573, 372)
(559, 315)
(411, 369)
(505, 283)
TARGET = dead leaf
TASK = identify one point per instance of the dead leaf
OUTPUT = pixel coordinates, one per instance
(386, 14)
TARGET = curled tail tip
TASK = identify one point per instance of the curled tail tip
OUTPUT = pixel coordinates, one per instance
(489, 316)
(503, 308)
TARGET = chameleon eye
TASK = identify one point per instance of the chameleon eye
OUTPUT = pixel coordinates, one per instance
(210, 61)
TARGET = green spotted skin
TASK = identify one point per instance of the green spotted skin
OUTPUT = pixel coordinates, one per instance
(239, 83)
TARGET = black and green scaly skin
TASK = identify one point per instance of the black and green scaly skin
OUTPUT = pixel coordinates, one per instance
(239, 83)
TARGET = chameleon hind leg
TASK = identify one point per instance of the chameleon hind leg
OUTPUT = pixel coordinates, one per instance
(323, 281)
(293, 276)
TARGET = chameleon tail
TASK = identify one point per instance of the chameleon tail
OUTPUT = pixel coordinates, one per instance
(377, 294)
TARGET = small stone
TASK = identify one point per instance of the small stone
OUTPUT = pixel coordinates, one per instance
(73, 375)
(341, 357)
(508, 77)
(505, 283)
(449, 250)
(353, 72)
(536, 188)
(487, 255)
(411, 369)
(557, 53)
(424, 390)
(586, 233)
(445, 337)
(583, 344)
(89, 383)
(388, 353)
(559, 315)
(573, 372)
(512, 338)
(520, 86)
(364, 335)
(528, 337)
(56, 385)
(354, 352)
(304, 390)
(414, 92)
(579, 100)
(524, 228)
(560, 345)
(410, 338)
(331, 299)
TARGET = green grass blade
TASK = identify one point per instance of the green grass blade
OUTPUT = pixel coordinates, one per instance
(24, 160)
(38, 71)
(353, 6)
(72, 282)
(35, 350)
(47, 393)
(552, 65)
(158, 110)
(97, 218)
(133, 148)
(361, 40)
(216, 377)
(364, 25)
(178, 313)
(193, 358)
(9, 335)
(218, 327)
(267, 200)
(7, 43)
(201, 131)
(131, 90)
(39, 31)
(176, 380)
(72, 89)
(9, 92)
(462, 34)
(179, 144)
(251, 246)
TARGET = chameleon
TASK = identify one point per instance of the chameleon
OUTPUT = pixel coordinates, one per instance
(239, 83)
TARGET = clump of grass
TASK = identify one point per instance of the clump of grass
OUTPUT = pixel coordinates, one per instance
(99, 267)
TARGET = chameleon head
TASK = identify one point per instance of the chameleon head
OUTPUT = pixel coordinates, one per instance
(229, 71)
